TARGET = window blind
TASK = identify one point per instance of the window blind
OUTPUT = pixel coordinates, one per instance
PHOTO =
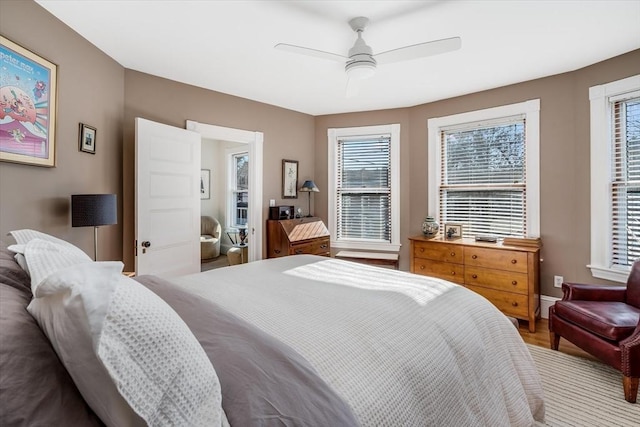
(364, 188)
(483, 177)
(625, 185)
(240, 191)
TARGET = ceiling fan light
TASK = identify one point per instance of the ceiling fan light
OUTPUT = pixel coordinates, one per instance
(360, 70)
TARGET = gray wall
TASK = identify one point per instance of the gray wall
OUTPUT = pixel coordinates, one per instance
(287, 134)
(91, 91)
(564, 159)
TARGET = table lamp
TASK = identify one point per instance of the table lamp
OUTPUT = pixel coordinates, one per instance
(309, 187)
(94, 210)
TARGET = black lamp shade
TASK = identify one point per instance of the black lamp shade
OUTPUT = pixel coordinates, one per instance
(92, 210)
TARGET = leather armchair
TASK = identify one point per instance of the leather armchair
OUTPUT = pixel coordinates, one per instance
(210, 231)
(605, 322)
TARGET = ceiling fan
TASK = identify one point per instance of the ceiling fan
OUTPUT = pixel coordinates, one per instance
(361, 63)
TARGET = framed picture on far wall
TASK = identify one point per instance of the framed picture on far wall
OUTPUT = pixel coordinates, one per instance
(289, 179)
(205, 184)
(87, 138)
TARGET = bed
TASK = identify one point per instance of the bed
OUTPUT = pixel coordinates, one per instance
(300, 340)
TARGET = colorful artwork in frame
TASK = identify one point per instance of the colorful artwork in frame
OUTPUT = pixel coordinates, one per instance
(27, 106)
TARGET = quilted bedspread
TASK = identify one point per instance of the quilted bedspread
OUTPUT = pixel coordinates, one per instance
(401, 349)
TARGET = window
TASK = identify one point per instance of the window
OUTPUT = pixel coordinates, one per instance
(364, 187)
(615, 181)
(239, 193)
(484, 170)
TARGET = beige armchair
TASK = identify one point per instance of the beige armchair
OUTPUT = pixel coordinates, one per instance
(210, 231)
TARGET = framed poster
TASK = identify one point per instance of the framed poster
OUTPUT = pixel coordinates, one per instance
(27, 106)
(289, 179)
(205, 184)
(87, 138)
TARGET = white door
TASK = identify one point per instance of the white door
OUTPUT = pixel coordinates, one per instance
(167, 208)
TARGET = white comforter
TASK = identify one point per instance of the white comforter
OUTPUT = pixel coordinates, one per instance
(401, 349)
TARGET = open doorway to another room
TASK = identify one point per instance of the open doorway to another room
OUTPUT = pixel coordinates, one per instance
(234, 158)
(224, 204)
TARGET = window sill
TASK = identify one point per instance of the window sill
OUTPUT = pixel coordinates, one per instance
(619, 274)
(371, 246)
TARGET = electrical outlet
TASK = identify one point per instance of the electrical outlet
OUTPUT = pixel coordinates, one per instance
(272, 202)
(557, 281)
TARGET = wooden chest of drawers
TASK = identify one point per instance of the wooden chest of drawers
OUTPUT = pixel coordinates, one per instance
(508, 276)
(306, 235)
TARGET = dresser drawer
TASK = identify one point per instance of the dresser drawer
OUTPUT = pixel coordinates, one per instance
(442, 270)
(439, 252)
(496, 279)
(315, 247)
(498, 259)
(508, 302)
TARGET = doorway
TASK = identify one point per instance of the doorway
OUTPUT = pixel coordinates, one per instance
(253, 142)
(224, 202)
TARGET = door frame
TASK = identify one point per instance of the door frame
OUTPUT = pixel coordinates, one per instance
(254, 140)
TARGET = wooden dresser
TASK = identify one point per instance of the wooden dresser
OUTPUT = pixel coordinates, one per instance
(508, 276)
(306, 235)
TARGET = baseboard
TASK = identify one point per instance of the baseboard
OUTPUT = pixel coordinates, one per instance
(545, 302)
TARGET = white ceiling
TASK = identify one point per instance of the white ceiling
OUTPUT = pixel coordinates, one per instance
(228, 46)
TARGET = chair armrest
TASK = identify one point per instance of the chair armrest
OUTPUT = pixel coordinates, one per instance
(630, 352)
(583, 292)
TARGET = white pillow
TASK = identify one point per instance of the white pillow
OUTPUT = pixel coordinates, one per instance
(45, 257)
(23, 237)
(22, 262)
(131, 356)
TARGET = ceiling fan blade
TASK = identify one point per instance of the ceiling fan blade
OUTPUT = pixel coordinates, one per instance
(311, 52)
(419, 50)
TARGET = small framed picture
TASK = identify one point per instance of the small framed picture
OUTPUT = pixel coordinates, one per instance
(87, 138)
(289, 179)
(452, 231)
(205, 181)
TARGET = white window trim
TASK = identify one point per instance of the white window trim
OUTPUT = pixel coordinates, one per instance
(600, 99)
(333, 136)
(531, 110)
(229, 208)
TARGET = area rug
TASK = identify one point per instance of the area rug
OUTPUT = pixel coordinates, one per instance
(581, 392)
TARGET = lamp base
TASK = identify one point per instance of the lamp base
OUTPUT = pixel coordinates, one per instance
(95, 243)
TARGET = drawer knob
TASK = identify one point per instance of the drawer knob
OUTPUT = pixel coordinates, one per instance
(475, 276)
(298, 251)
(514, 283)
(474, 256)
(453, 254)
(515, 304)
(276, 251)
(513, 261)
(323, 246)
(421, 249)
(422, 267)
(453, 273)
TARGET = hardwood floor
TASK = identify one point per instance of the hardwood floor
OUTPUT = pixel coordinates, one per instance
(541, 338)
(221, 261)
